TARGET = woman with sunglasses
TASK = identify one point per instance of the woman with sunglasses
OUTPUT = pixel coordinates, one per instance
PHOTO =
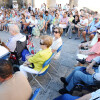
(35, 62)
(57, 41)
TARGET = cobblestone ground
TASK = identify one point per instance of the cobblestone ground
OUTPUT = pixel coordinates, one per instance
(65, 66)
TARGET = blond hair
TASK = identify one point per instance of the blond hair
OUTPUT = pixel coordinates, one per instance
(47, 40)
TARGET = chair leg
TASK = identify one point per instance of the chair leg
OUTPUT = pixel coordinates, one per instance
(38, 83)
(54, 68)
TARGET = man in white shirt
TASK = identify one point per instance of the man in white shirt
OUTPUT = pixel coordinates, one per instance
(89, 75)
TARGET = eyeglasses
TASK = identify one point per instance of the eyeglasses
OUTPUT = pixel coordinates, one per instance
(56, 32)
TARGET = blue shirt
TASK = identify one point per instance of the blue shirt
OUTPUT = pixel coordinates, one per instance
(93, 26)
(46, 18)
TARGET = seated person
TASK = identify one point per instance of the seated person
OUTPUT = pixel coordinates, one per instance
(55, 22)
(47, 20)
(71, 25)
(38, 29)
(33, 24)
(64, 21)
(57, 41)
(89, 75)
(82, 25)
(13, 86)
(15, 36)
(92, 52)
(89, 44)
(92, 30)
(91, 96)
(34, 63)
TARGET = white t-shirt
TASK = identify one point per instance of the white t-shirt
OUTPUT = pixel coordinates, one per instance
(84, 21)
(56, 44)
(28, 20)
(33, 22)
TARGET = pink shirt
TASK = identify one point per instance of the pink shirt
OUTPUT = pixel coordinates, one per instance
(64, 20)
(96, 49)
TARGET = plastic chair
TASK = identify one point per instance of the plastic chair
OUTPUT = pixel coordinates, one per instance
(35, 94)
(47, 62)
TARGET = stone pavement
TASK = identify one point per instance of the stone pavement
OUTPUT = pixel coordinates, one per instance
(67, 61)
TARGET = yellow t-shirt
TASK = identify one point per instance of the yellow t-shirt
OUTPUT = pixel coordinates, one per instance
(39, 58)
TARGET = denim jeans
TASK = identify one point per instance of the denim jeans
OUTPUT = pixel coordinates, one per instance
(78, 76)
(30, 29)
(66, 97)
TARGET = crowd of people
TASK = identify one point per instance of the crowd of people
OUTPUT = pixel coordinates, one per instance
(39, 22)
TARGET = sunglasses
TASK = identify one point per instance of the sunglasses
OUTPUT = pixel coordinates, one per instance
(56, 32)
(41, 43)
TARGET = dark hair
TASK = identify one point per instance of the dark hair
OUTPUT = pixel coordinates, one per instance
(41, 16)
(5, 68)
(46, 11)
(56, 14)
(65, 12)
(33, 15)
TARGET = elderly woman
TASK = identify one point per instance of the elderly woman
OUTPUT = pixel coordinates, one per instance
(34, 63)
(57, 41)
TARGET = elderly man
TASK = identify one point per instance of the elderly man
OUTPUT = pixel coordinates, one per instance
(89, 75)
(92, 28)
(13, 86)
(15, 36)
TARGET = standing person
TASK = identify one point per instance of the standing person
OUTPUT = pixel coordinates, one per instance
(13, 86)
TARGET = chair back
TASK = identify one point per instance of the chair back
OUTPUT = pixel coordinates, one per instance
(59, 49)
(35, 94)
(47, 62)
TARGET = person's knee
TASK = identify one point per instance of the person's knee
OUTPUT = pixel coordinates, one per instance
(84, 33)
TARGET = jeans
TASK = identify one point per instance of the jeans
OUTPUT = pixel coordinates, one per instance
(78, 76)
(66, 97)
(30, 29)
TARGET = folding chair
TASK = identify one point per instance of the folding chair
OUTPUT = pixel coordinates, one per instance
(47, 62)
(58, 50)
(35, 94)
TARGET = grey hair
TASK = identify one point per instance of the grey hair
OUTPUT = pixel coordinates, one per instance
(14, 28)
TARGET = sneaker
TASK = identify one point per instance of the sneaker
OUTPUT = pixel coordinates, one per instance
(63, 80)
(83, 41)
(70, 37)
(63, 91)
